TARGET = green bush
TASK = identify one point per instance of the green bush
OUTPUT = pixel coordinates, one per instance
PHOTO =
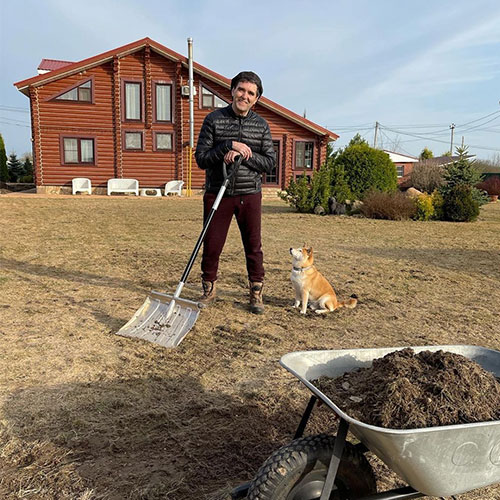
(425, 207)
(298, 195)
(339, 187)
(367, 168)
(437, 203)
(388, 205)
(459, 204)
(321, 188)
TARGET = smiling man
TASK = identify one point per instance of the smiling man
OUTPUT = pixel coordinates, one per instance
(225, 134)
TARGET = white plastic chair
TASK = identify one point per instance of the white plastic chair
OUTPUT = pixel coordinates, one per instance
(81, 185)
(174, 187)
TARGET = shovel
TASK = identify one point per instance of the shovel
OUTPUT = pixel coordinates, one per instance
(166, 319)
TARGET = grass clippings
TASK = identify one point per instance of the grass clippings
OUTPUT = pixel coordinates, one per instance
(408, 390)
(86, 414)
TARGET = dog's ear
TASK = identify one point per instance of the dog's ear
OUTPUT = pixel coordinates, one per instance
(309, 250)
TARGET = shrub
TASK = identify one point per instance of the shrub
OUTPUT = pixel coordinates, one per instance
(437, 204)
(367, 168)
(339, 187)
(424, 207)
(426, 177)
(321, 187)
(298, 195)
(383, 205)
(490, 185)
(459, 204)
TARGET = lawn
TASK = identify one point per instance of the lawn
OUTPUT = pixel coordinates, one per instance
(86, 414)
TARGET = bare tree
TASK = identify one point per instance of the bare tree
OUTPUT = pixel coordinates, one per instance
(426, 177)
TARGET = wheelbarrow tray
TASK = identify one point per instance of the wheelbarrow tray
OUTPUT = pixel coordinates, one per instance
(437, 461)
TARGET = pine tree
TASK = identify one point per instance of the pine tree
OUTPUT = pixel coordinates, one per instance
(16, 170)
(462, 171)
(28, 170)
(4, 169)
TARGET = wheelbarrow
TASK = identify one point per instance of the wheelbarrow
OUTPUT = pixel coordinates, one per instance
(433, 461)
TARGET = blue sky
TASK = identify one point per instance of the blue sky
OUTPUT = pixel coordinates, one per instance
(415, 67)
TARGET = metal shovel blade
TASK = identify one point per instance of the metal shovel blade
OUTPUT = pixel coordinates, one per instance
(156, 321)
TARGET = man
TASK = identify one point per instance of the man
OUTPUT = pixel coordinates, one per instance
(226, 134)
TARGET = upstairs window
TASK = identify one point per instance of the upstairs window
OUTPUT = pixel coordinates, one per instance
(400, 170)
(81, 93)
(78, 150)
(210, 100)
(163, 102)
(133, 99)
(304, 154)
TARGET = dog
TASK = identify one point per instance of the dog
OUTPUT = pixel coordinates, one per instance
(311, 286)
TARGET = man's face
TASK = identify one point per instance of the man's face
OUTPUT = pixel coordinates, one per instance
(245, 95)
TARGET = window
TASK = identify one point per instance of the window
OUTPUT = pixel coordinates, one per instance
(304, 154)
(163, 141)
(163, 102)
(133, 109)
(401, 170)
(210, 100)
(273, 177)
(78, 150)
(133, 140)
(82, 93)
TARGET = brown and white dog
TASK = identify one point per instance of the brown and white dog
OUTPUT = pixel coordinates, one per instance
(311, 287)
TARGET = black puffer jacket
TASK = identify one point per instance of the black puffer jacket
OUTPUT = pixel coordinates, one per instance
(219, 129)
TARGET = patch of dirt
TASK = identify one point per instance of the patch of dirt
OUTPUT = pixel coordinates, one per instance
(405, 390)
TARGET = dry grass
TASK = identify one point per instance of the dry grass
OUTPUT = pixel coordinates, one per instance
(88, 415)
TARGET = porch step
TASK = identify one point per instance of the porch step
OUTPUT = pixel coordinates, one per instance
(270, 193)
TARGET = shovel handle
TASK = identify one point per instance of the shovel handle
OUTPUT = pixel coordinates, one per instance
(220, 194)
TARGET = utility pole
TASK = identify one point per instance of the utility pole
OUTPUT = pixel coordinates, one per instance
(375, 135)
(452, 127)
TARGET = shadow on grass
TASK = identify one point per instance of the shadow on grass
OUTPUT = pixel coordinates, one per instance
(89, 279)
(137, 438)
(479, 262)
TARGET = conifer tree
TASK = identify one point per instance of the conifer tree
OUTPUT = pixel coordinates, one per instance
(4, 169)
(15, 168)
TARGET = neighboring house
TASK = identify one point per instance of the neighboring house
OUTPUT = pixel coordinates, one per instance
(404, 164)
(438, 161)
(488, 170)
(124, 114)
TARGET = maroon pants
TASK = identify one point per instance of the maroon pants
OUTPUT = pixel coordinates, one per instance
(248, 210)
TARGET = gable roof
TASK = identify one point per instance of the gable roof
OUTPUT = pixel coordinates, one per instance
(72, 68)
(441, 161)
(400, 157)
(47, 65)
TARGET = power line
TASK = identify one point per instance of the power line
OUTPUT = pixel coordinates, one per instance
(13, 109)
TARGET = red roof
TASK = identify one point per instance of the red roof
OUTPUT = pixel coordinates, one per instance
(52, 64)
(71, 68)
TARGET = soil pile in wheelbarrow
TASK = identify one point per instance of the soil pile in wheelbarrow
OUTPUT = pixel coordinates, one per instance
(404, 390)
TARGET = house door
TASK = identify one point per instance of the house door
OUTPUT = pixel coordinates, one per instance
(274, 178)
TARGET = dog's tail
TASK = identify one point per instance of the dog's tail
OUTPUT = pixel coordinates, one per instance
(350, 303)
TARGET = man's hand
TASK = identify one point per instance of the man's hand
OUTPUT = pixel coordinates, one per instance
(242, 149)
(230, 157)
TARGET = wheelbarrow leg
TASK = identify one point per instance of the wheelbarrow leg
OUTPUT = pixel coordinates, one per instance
(305, 417)
(338, 448)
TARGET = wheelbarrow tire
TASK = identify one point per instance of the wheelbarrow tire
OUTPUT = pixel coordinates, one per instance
(298, 471)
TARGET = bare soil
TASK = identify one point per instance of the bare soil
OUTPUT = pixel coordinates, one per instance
(405, 390)
(86, 414)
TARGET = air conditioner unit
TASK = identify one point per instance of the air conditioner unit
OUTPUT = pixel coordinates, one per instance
(185, 91)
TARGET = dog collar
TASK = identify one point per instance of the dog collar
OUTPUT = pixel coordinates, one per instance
(300, 269)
